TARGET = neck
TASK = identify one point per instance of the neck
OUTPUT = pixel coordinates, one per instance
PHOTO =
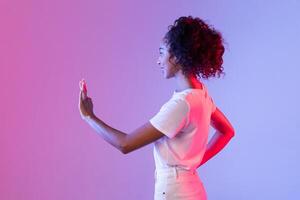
(186, 82)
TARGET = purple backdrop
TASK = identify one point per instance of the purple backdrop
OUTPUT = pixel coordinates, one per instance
(48, 152)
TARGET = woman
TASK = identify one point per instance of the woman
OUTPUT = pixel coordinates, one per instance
(189, 50)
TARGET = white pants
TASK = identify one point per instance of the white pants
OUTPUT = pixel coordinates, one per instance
(175, 183)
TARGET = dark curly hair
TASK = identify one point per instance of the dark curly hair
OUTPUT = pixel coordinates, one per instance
(197, 47)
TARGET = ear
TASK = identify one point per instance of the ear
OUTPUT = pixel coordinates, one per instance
(173, 59)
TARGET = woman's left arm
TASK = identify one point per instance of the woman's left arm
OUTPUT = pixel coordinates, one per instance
(109, 134)
(126, 143)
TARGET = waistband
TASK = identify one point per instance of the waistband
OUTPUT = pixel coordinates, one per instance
(173, 170)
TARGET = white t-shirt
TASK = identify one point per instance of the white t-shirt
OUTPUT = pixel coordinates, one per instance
(184, 120)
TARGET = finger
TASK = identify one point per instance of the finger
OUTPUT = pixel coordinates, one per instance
(81, 83)
(82, 96)
(80, 103)
(83, 86)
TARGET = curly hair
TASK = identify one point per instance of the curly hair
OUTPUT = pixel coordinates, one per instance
(197, 47)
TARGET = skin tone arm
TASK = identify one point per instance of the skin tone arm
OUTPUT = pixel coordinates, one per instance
(224, 133)
(125, 143)
(147, 134)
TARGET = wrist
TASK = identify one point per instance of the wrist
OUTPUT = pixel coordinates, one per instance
(91, 117)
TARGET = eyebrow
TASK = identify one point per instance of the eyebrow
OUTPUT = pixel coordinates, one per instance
(160, 48)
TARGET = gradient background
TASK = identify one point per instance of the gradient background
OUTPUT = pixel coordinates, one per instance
(48, 152)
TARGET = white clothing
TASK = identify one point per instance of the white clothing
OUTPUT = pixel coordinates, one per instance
(185, 120)
(174, 183)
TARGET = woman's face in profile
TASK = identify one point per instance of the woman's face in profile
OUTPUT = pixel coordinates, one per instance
(165, 62)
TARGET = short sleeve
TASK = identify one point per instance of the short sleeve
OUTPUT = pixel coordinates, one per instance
(172, 117)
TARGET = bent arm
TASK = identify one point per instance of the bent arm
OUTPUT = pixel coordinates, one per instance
(215, 145)
(125, 143)
(224, 133)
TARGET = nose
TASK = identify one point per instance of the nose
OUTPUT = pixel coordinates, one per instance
(158, 62)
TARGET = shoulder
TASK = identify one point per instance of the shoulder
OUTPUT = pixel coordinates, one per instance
(176, 102)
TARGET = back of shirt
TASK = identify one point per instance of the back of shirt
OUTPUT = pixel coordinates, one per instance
(185, 120)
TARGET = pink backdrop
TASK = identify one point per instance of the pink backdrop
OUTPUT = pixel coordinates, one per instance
(48, 152)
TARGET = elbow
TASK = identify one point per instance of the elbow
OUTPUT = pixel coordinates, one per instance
(123, 146)
(124, 150)
(228, 134)
(231, 133)
(127, 147)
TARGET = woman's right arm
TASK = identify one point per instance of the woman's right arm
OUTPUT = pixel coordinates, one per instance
(224, 133)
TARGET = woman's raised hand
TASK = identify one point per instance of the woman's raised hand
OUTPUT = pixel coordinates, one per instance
(85, 103)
